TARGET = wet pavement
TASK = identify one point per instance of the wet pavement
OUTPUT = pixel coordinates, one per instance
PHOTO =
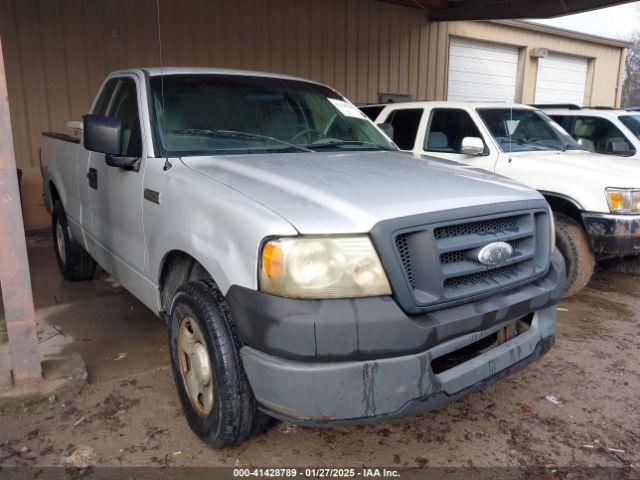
(578, 406)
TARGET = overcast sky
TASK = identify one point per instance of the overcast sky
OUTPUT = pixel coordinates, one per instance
(613, 22)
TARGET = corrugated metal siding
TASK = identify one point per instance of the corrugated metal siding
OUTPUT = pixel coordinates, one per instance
(606, 59)
(58, 51)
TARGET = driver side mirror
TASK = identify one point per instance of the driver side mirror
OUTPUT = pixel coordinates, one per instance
(102, 134)
(387, 129)
(472, 146)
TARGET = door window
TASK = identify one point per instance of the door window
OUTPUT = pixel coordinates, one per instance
(102, 103)
(125, 107)
(632, 122)
(447, 129)
(405, 124)
(372, 111)
(598, 134)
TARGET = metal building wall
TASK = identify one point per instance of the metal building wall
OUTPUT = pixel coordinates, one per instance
(58, 51)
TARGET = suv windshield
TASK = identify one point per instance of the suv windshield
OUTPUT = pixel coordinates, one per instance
(632, 122)
(202, 114)
(524, 130)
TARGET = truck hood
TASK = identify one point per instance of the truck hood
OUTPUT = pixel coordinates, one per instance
(606, 170)
(347, 192)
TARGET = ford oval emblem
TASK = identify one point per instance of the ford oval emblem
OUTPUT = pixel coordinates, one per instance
(495, 254)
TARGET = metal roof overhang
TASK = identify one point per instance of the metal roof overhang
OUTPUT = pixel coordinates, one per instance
(442, 10)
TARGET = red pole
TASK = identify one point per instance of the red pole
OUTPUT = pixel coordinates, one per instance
(14, 264)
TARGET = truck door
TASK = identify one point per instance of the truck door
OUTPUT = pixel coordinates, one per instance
(446, 130)
(115, 229)
(100, 106)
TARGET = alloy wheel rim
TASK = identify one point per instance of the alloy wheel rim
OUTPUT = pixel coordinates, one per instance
(61, 243)
(195, 366)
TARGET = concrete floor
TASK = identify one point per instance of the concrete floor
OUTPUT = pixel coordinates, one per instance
(130, 414)
(97, 319)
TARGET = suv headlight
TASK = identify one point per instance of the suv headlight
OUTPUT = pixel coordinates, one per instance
(623, 200)
(322, 267)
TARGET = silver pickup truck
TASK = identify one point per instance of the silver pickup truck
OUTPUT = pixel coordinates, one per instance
(307, 269)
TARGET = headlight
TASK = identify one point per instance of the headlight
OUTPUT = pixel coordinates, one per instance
(623, 200)
(322, 267)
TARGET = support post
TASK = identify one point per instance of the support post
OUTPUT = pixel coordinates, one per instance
(15, 279)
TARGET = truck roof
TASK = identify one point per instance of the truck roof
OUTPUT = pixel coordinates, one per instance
(157, 71)
(451, 104)
(590, 112)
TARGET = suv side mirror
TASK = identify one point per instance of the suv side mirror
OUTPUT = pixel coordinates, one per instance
(102, 134)
(472, 146)
(387, 129)
(619, 148)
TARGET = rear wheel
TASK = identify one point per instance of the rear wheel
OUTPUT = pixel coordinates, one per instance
(574, 245)
(214, 391)
(73, 260)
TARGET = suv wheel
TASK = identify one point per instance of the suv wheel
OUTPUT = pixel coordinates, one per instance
(574, 245)
(73, 260)
(214, 391)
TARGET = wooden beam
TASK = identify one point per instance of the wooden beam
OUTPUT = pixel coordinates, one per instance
(15, 279)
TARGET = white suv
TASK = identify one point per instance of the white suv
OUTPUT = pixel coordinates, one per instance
(595, 198)
(605, 131)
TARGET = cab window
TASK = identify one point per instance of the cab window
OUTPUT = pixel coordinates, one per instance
(447, 129)
(598, 134)
(102, 103)
(371, 111)
(125, 107)
(405, 124)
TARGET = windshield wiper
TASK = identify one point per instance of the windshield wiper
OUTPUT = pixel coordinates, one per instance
(237, 134)
(338, 143)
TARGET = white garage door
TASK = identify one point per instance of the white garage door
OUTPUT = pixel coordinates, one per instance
(561, 79)
(481, 71)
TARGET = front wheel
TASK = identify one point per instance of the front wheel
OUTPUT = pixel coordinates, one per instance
(574, 245)
(73, 260)
(214, 391)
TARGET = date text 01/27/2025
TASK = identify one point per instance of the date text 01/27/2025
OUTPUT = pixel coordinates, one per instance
(315, 472)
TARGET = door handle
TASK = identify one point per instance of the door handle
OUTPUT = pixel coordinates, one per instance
(92, 177)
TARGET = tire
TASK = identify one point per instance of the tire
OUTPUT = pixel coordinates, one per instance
(73, 260)
(220, 407)
(572, 241)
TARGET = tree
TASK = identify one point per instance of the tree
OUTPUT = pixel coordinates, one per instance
(631, 83)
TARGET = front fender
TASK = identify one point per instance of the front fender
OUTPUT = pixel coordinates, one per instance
(218, 226)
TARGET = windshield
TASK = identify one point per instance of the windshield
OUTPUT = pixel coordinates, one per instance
(524, 130)
(226, 114)
(632, 122)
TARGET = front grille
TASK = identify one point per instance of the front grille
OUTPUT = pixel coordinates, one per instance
(483, 227)
(405, 257)
(456, 273)
(459, 255)
(488, 277)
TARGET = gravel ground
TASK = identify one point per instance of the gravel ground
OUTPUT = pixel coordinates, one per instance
(576, 407)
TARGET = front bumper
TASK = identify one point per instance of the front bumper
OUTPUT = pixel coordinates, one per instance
(331, 393)
(612, 234)
(360, 360)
